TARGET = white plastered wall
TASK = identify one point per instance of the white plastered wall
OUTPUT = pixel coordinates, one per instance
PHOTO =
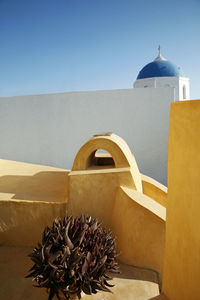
(50, 129)
(179, 83)
(145, 83)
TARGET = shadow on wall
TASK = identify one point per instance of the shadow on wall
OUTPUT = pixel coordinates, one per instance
(30, 202)
(43, 186)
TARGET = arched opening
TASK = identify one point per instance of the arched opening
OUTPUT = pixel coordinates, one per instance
(184, 92)
(100, 158)
(119, 156)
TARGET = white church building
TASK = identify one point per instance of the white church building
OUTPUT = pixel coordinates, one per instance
(48, 129)
(163, 73)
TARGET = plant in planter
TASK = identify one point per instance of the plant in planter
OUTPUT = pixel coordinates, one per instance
(76, 255)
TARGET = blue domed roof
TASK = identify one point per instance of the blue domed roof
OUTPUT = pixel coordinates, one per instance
(160, 67)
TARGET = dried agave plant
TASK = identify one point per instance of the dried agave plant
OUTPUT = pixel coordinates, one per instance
(76, 255)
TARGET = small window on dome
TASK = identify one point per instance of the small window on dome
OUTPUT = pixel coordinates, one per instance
(184, 92)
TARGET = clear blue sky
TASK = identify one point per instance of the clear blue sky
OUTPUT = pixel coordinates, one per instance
(49, 46)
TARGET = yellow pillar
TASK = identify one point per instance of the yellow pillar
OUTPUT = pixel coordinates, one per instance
(181, 277)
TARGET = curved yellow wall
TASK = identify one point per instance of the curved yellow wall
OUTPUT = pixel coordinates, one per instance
(154, 189)
(139, 224)
(93, 192)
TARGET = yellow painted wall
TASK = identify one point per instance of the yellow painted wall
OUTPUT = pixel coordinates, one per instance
(139, 224)
(136, 220)
(31, 196)
(22, 222)
(118, 149)
(23, 181)
(154, 189)
(100, 191)
(93, 192)
(181, 277)
(131, 204)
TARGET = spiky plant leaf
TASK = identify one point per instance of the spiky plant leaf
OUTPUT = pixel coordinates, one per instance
(75, 255)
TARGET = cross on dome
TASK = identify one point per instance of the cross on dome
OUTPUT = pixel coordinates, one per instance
(159, 57)
(159, 50)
